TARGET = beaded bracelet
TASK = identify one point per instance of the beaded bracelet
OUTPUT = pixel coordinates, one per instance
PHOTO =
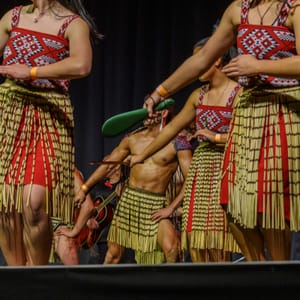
(33, 73)
(84, 188)
(149, 96)
(162, 91)
(218, 138)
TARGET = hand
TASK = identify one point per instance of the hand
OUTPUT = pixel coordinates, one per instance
(242, 65)
(206, 133)
(66, 246)
(160, 214)
(92, 223)
(64, 230)
(150, 102)
(134, 159)
(79, 198)
(17, 71)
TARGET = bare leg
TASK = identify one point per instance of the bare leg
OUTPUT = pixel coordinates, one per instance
(168, 240)
(218, 255)
(278, 243)
(11, 239)
(114, 253)
(198, 255)
(37, 226)
(250, 241)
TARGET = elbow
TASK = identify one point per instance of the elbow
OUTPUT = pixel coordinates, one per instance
(81, 67)
(84, 70)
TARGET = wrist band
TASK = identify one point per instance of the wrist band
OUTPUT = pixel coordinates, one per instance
(84, 188)
(148, 96)
(154, 102)
(218, 138)
(33, 73)
(162, 91)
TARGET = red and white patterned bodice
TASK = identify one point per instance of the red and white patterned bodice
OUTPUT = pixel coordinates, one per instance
(270, 42)
(213, 117)
(35, 48)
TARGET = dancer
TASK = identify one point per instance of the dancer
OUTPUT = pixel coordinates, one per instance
(145, 191)
(204, 227)
(260, 183)
(43, 45)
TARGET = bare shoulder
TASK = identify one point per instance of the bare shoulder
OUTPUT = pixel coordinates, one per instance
(234, 5)
(232, 14)
(7, 15)
(194, 96)
(5, 22)
(195, 92)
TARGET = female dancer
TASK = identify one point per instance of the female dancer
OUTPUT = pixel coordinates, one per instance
(44, 45)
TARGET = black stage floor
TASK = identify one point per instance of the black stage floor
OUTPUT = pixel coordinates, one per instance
(243, 280)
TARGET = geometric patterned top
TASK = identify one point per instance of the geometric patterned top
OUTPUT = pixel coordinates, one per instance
(35, 48)
(266, 42)
(214, 117)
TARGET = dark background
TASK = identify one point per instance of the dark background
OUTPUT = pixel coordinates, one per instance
(144, 42)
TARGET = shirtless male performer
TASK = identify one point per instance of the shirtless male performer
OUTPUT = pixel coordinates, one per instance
(145, 192)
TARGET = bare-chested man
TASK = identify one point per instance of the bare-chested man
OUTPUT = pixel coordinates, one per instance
(145, 192)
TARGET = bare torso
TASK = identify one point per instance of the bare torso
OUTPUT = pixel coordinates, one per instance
(155, 173)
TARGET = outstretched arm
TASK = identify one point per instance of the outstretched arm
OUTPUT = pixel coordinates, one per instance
(196, 65)
(182, 120)
(118, 154)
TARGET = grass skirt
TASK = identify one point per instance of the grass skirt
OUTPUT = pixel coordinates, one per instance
(261, 170)
(132, 227)
(30, 117)
(203, 216)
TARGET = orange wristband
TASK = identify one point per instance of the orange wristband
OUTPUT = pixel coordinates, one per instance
(84, 188)
(218, 138)
(162, 91)
(33, 73)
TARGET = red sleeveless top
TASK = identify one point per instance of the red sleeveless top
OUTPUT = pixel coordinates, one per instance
(213, 117)
(35, 48)
(266, 42)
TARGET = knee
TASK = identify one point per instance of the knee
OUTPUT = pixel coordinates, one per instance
(171, 251)
(113, 254)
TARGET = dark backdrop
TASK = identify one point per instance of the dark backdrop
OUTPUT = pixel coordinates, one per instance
(144, 42)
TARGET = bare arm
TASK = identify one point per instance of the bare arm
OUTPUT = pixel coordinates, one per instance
(197, 64)
(167, 212)
(179, 122)
(118, 154)
(4, 31)
(79, 63)
(85, 212)
(184, 158)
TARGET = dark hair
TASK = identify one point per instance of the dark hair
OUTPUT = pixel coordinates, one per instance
(77, 7)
